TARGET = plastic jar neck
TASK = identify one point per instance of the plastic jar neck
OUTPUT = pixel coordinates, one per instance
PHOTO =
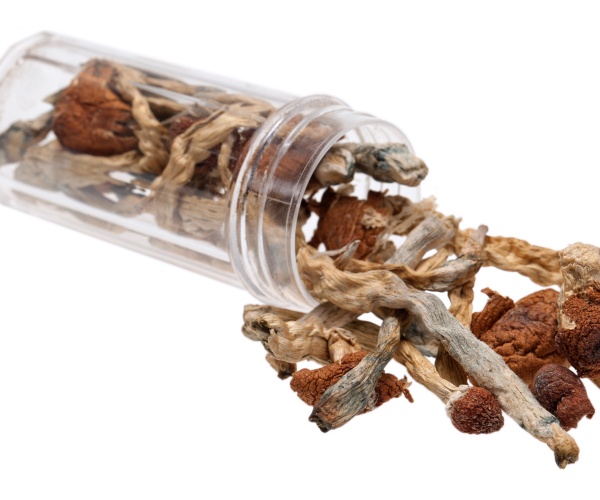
(269, 188)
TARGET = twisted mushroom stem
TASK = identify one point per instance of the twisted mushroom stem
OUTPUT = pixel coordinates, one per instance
(355, 391)
(430, 233)
(423, 371)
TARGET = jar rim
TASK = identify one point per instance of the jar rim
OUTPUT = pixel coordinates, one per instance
(267, 194)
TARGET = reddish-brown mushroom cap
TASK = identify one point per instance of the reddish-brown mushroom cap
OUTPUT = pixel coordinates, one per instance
(522, 333)
(581, 342)
(343, 220)
(90, 117)
(563, 394)
(476, 411)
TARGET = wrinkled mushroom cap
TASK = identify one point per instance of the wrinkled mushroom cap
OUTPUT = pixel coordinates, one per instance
(522, 333)
(474, 410)
(563, 394)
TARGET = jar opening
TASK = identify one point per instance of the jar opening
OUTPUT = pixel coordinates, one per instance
(268, 194)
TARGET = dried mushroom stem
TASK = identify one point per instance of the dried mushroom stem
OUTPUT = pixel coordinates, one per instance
(21, 135)
(448, 368)
(70, 171)
(365, 292)
(471, 410)
(328, 315)
(311, 385)
(190, 148)
(151, 134)
(461, 307)
(421, 369)
(336, 167)
(284, 369)
(446, 277)
(430, 233)
(295, 340)
(537, 263)
(408, 214)
(355, 391)
(252, 312)
(417, 365)
(484, 416)
(436, 260)
(389, 163)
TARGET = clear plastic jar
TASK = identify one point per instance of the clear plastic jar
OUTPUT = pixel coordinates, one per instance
(143, 183)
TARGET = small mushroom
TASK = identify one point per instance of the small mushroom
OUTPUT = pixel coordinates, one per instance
(310, 385)
(474, 410)
(563, 394)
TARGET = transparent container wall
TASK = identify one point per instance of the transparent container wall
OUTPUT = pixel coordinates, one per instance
(277, 172)
(116, 155)
(203, 172)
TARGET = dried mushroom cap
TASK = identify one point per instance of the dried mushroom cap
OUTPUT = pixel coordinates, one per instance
(475, 411)
(344, 219)
(389, 163)
(581, 343)
(524, 334)
(90, 117)
(310, 385)
(495, 308)
(563, 394)
(579, 308)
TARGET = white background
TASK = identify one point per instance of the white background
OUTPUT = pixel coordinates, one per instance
(122, 377)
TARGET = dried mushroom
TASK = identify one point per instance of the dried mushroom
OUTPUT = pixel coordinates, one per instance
(310, 385)
(344, 219)
(476, 411)
(494, 309)
(563, 394)
(389, 163)
(579, 316)
(522, 334)
(90, 117)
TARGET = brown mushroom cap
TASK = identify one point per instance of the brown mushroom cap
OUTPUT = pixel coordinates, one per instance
(475, 411)
(344, 219)
(581, 343)
(563, 394)
(524, 335)
(89, 117)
